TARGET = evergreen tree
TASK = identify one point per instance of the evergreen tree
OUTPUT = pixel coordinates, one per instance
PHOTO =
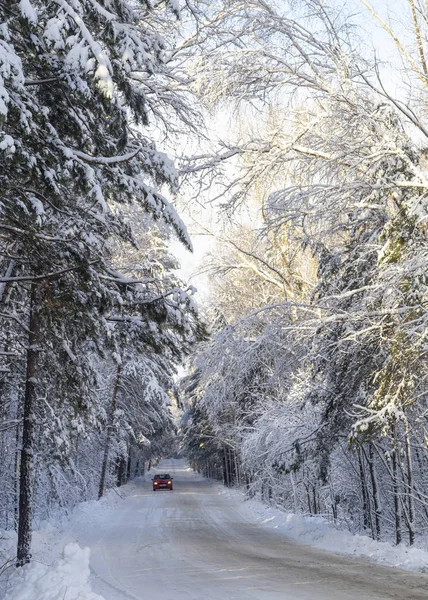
(79, 81)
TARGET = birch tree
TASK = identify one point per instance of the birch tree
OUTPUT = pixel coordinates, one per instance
(352, 160)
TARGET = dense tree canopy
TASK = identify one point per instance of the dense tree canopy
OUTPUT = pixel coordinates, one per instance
(320, 391)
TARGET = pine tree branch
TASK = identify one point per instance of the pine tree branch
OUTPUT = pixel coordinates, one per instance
(29, 82)
(48, 275)
(124, 281)
(108, 160)
(40, 236)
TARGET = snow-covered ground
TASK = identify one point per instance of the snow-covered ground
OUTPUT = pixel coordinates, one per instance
(319, 533)
(202, 542)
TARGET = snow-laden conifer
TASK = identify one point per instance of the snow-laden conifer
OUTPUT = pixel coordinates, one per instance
(80, 81)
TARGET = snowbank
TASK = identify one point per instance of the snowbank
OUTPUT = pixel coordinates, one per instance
(320, 533)
(67, 579)
(49, 539)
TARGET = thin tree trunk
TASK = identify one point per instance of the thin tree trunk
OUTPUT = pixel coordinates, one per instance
(410, 486)
(417, 490)
(230, 466)
(109, 432)
(334, 502)
(226, 468)
(314, 496)
(26, 482)
(128, 465)
(308, 496)
(397, 510)
(364, 494)
(376, 503)
(238, 478)
(121, 470)
(16, 471)
(419, 41)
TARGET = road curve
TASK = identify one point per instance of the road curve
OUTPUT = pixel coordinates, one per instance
(192, 544)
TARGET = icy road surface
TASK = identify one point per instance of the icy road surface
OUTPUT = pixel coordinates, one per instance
(193, 544)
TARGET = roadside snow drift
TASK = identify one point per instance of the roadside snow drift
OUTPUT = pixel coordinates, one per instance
(317, 532)
(68, 579)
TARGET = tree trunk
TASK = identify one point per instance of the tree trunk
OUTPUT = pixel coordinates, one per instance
(28, 435)
(364, 493)
(128, 465)
(308, 497)
(109, 432)
(397, 510)
(16, 472)
(417, 490)
(121, 471)
(335, 499)
(410, 486)
(376, 503)
(314, 496)
(230, 467)
(237, 463)
(226, 471)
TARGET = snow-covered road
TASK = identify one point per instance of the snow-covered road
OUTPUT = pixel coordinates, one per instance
(194, 544)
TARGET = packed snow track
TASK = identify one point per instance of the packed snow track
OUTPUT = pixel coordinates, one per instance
(193, 544)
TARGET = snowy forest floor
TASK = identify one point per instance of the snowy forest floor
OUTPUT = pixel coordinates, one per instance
(202, 541)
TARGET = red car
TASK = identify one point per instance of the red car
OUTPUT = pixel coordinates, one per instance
(162, 481)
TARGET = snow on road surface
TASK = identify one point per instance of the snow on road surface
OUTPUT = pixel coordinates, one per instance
(194, 544)
(200, 543)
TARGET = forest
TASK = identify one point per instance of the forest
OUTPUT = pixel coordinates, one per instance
(293, 135)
